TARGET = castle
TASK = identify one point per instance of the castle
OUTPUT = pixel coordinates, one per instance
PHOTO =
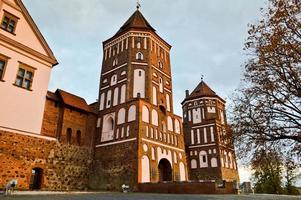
(56, 141)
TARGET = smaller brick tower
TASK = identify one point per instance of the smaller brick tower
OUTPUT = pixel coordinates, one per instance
(210, 156)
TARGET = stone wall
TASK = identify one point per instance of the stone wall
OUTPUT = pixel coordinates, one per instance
(65, 167)
(115, 165)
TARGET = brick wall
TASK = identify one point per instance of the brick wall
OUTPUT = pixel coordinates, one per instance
(65, 167)
(115, 165)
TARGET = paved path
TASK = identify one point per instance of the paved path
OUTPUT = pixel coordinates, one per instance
(140, 196)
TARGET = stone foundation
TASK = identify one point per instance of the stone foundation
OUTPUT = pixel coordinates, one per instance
(65, 167)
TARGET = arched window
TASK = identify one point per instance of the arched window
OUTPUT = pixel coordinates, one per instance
(169, 123)
(139, 83)
(109, 97)
(160, 65)
(163, 126)
(193, 164)
(102, 101)
(167, 102)
(161, 85)
(154, 95)
(115, 100)
(203, 159)
(78, 137)
(132, 113)
(108, 128)
(177, 126)
(121, 116)
(138, 45)
(139, 56)
(155, 117)
(213, 162)
(122, 93)
(114, 80)
(69, 135)
(145, 114)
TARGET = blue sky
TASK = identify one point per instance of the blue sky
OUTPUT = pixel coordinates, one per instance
(207, 38)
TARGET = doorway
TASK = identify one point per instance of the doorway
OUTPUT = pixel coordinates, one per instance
(165, 171)
(36, 178)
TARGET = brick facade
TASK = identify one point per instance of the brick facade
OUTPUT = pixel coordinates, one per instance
(65, 167)
(210, 153)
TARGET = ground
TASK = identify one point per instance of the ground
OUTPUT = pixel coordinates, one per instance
(139, 196)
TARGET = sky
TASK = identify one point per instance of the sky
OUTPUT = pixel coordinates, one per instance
(207, 38)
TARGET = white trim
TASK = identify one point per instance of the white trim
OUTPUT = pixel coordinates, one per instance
(105, 87)
(204, 145)
(122, 80)
(117, 142)
(203, 126)
(201, 98)
(161, 71)
(164, 145)
(137, 63)
(27, 133)
(154, 82)
(167, 90)
(114, 69)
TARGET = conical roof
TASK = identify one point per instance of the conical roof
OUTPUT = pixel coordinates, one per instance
(202, 90)
(136, 21)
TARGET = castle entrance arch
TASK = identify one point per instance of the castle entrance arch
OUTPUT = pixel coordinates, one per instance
(165, 170)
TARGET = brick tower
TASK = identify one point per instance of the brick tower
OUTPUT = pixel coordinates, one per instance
(139, 138)
(210, 154)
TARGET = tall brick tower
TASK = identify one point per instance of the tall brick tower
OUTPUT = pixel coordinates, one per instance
(210, 154)
(139, 138)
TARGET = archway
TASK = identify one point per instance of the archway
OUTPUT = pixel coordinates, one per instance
(165, 171)
(36, 178)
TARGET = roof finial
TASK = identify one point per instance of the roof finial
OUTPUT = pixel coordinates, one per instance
(138, 5)
(202, 77)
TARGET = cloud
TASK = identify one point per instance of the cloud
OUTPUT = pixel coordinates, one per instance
(207, 38)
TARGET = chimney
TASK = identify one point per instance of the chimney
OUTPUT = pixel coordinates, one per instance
(187, 93)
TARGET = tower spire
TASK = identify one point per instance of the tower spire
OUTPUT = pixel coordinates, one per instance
(138, 5)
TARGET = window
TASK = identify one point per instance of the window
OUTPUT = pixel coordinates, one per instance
(139, 56)
(69, 135)
(140, 73)
(78, 137)
(24, 77)
(115, 62)
(160, 65)
(9, 22)
(204, 159)
(2, 66)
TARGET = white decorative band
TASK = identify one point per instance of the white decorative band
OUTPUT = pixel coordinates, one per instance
(203, 126)
(137, 63)
(164, 145)
(26, 133)
(117, 142)
(122, 80)
(161, 71)
(203, 145)
(114, 69)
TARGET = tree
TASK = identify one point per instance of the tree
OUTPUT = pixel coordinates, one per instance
(267, 172)
(267, 109)
(290, 175)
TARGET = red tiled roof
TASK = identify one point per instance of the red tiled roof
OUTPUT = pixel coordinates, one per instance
(202, 90)
(138, 21)
(73, 100)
